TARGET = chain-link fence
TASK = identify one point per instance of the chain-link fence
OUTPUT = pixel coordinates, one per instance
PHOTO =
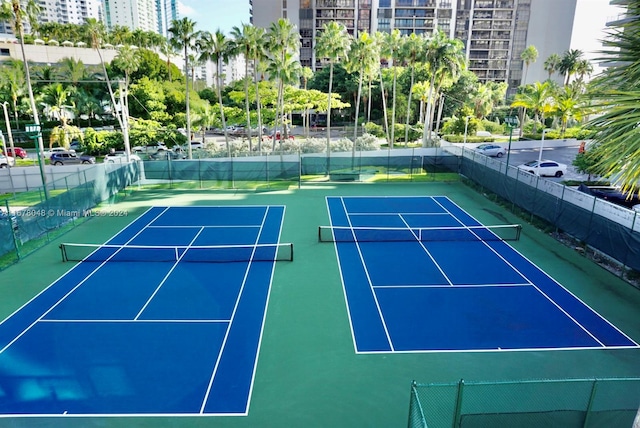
(529, 403)
(275, 168)
(30, 220)
(612, 229)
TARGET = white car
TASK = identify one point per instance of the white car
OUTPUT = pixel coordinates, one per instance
(547, 168)
(47, 153)
(120, 157)
(6, 161)
(491, 150)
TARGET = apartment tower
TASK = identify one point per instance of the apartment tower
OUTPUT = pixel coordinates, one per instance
(494, 32)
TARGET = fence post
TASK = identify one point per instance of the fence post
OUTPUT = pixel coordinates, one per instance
(13, 229)
(592, 398)
(458, 412)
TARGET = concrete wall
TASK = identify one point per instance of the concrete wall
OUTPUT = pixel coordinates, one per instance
(550, 28)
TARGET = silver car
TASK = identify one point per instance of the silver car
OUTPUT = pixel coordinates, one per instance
(491, 150)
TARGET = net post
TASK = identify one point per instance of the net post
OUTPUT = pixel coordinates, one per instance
(63, 252)
(291, 244)
(518, 231)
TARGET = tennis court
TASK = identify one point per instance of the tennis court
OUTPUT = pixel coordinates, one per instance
(297, 364)
(166, 319)
(420, 274)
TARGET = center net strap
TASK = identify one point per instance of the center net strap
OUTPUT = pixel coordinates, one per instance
(201, 253)
(509, 232)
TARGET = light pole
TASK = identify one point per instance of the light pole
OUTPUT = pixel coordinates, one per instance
(466, 127)
(544, 131)
(6, 119)
(511, 122)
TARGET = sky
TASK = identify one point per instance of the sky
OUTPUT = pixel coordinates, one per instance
(591, 17)
(211, 15)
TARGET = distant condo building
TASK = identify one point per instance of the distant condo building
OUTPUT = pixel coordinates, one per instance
(134, 14)
(62, 12)
(494, 32)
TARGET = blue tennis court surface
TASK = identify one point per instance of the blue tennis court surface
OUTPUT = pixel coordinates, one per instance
(148, 337)
(420, 295)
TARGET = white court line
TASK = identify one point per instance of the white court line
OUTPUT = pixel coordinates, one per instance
(425, 250)
(116, 321)
(175, 264)
(233, 315)
(77, 286)
(239, 226)
(366, 271)
(449, 286)
(532, 284)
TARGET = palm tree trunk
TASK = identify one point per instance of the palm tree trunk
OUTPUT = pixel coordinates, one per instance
(384, 108)
(355, 130)
(246, 97)
(406, 129)
(224, 123)
(393, 108)
(329, 119)
(258, 106)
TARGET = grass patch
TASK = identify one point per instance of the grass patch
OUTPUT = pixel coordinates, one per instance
(27, 199)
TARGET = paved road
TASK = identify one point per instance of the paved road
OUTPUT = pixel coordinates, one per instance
(559, 154)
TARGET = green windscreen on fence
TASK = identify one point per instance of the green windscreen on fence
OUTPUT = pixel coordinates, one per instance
(565, 403)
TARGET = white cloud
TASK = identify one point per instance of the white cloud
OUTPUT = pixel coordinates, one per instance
(184, 10)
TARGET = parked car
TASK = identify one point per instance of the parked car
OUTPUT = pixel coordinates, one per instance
(47, 153)
(612, 194)
(120, 157)
(547, 168)
(70, 158)
(19, 152)
(151, 148)
(491, 150)
(167, 154)
(6, 161)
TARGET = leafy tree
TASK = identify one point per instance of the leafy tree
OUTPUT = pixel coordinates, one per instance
(615, 95)
(217, 48)
(332, 46)
(12, 83)
(184, 36)
(569, 62)
(552, 64)
(529, 55)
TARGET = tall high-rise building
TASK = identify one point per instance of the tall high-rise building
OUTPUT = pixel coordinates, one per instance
(494, 32)
(134, 14)
(62, 12)
(167, 11)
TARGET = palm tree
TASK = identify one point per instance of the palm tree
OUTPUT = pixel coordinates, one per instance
(257, 54)
(583, 68)
(285, 71)
(615, 95)
(552, 64)
(391, 49)
(446, 59)
(332, 45)
(96, 33)
(566, 102)
(529, 55)
(217, 48)
(243, 42)
(12, 80)
(283, 41)
(306, 74)
(568, 63)
(412, 50)
(362, 59)
(72, 70)
(183, 37)
(205, 117)
(128, 61)
(538, 98)
(13, 12)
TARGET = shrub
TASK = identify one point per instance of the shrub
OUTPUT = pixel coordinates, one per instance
(492, 127)
(374, 129)
(367, 142)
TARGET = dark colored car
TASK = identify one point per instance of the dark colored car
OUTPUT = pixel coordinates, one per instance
(19, 152)
(70, 158)
(611, 194)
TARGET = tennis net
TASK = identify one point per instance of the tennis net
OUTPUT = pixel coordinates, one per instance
(202, 253)
(507, 232)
